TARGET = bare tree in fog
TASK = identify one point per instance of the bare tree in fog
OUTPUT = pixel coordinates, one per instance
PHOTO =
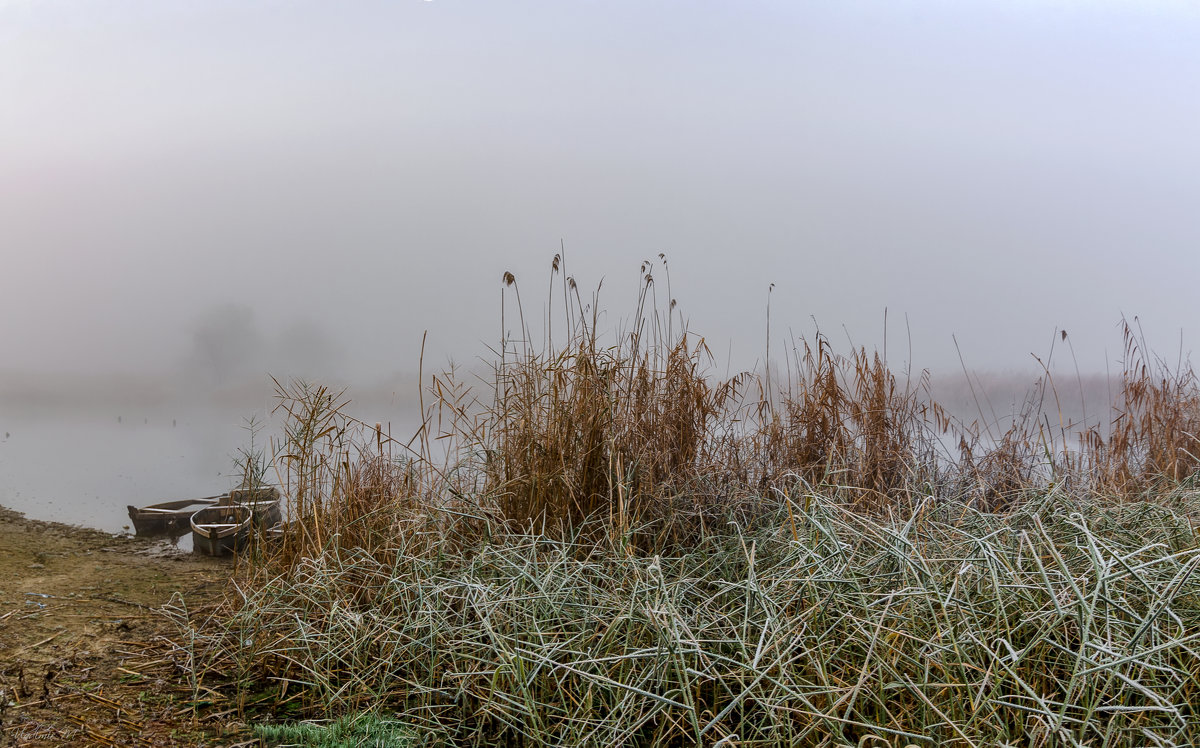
(227, 347)
(231, 350)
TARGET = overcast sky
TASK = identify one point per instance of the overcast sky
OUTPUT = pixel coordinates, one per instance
(355, 173)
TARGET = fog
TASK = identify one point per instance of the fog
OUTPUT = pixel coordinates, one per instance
(194, 195)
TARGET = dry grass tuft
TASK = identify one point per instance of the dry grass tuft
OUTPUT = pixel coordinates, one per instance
(1156, 430)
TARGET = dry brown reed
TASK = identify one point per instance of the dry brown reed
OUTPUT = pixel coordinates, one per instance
(1155, 434)
(585, 428)
(637, 430)
(346, 486)
(633, 429)
(846, 422)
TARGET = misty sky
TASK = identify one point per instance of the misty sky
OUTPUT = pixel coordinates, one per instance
(347, 175)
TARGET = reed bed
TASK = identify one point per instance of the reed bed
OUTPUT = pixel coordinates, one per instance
(612, 547)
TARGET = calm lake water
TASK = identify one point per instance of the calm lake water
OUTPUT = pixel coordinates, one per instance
(86, 470)
(85, 465)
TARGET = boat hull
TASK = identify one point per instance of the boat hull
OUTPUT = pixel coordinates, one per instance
(221, 530)
(168, 517)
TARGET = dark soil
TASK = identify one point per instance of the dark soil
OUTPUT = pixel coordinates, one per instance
(87, 655)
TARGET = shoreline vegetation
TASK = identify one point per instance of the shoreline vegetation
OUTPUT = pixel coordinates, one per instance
(600, 544)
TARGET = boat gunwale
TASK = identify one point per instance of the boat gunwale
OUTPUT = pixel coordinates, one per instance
(224, 530)
(176, 505)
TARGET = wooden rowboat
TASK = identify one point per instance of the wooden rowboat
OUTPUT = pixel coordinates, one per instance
(246, 495)
(263, 502)
(221, 530)
(168, 517)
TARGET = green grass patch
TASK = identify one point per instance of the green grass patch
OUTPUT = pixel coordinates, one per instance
(366, 730)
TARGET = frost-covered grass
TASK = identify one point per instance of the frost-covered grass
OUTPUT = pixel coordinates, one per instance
(1067, 622)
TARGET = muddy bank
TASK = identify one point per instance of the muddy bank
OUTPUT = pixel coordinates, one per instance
(84, 652)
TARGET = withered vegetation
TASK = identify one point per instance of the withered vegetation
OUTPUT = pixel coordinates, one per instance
(601, 543)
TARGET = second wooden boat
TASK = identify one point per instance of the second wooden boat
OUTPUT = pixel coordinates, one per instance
(221, 530)
(168, 517)
(263, 503)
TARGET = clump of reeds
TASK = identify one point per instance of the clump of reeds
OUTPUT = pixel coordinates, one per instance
(347, 484)
(637, 430)
(997, 471)
(847, 422)
(1155, 434)
(633, 428)
(585, 428)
